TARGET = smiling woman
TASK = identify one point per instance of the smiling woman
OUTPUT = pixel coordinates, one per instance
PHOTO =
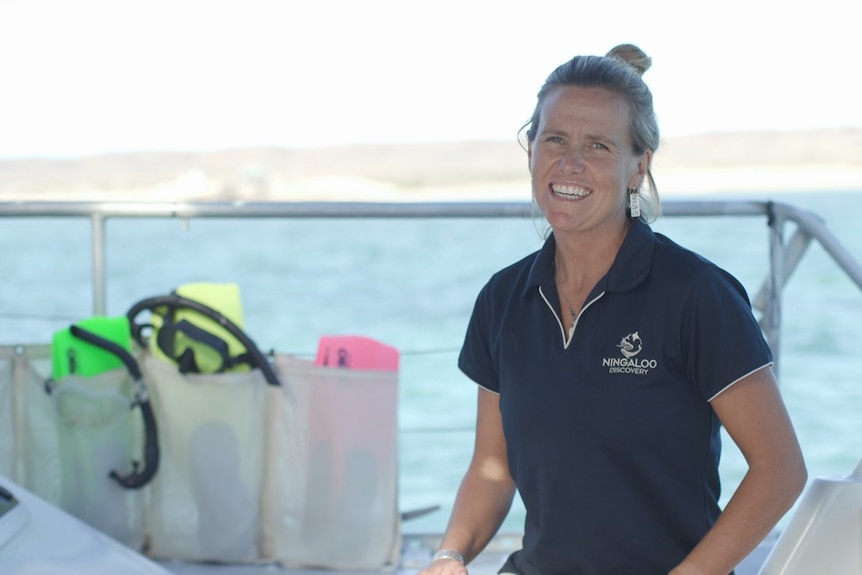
(607, 363)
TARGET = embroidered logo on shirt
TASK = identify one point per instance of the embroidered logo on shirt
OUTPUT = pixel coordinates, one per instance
(630, 346)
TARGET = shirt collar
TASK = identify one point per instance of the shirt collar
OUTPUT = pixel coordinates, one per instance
(630, 267)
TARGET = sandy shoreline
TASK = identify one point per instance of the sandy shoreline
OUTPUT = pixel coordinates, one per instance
(751, 164)
(754, 182)
(673, 184)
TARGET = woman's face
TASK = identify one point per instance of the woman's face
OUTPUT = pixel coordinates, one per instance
(581, 160)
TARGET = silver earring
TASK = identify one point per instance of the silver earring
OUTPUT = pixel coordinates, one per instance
(635, 203)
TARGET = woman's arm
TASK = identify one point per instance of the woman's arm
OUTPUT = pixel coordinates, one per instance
(755, 417)
(486, 492)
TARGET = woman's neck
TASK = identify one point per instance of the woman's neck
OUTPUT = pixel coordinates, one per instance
(584, 258)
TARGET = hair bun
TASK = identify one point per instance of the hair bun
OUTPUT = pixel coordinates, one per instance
(633, 56)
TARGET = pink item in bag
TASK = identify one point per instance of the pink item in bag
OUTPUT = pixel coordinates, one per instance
(356, 352)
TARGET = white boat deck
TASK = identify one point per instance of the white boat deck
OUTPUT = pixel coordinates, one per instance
(46, 539)
(416, 553)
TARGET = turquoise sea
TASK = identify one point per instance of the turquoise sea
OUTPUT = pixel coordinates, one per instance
(412, 283)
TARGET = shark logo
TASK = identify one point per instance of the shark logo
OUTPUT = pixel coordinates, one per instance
(631, 345)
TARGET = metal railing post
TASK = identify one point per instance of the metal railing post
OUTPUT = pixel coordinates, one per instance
(773, 308)
(97, 222)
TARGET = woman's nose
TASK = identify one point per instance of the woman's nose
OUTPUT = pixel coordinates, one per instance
(572, 161)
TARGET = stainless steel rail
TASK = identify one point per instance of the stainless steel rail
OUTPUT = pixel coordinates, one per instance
(785, 253)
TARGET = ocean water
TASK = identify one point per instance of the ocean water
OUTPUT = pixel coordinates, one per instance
(412, 283)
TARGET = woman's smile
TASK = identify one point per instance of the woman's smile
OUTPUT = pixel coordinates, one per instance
(569, 192)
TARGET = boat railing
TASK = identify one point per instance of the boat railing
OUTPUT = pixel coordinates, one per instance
(785, 250)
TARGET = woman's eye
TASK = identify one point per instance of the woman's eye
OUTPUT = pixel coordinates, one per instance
(598, 146)
(555, 139)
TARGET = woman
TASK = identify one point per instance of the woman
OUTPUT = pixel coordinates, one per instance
(607, 362)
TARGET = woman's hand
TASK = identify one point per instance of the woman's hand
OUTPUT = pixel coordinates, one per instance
(444, 567)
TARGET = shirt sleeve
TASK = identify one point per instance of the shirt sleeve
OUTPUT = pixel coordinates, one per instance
(722, 340)
(475, 359)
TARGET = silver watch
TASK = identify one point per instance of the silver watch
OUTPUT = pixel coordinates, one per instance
(448, 554)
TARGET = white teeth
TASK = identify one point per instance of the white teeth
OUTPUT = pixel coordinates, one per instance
(570, 191)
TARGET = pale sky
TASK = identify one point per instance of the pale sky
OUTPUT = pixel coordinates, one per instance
(80, 77)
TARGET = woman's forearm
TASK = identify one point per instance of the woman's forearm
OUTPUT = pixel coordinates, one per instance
(763, 497)
(482, 503)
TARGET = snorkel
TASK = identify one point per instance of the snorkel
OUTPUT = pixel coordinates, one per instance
(136, 478)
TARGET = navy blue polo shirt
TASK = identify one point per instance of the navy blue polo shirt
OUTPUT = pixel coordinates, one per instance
(610, 436)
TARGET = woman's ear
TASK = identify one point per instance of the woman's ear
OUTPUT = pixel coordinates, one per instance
(643, 165)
